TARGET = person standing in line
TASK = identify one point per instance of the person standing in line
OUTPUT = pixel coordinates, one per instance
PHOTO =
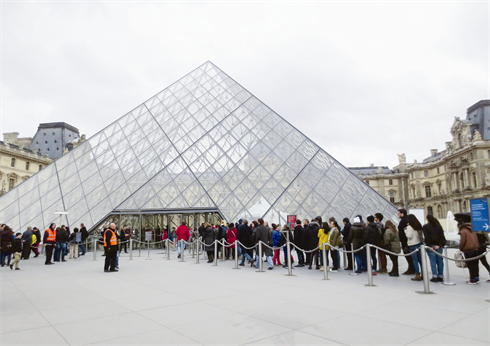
(83, 245)
(392, 243)
(73, 243)
(35, 245)
(163, 237)
(413, 232)
(356, 237)
(311, 241)
(16, 250)
(335, 240)
(371, 236)
(469, 245)
(49, 241)
(6, 244)
(276, 237)
(262, 234)
(26, 242)
(378, 218)
(299, 241)
(348, 246)
(208, 240)
(245, 238)
(402, 214)
(111, 249)
(482, 240)
(61, 241)
(182, 233)
(323, 235)
(231, 236)
(434, 237)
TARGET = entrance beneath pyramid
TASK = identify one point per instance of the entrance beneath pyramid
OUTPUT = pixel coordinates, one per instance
(156, 222)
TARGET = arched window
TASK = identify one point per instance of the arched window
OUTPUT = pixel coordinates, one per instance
(427, 191)
(12, 162)
(392, 196)
(390, 182)
(429, 211)
(440, 212)
(464, 207)
(27, 166)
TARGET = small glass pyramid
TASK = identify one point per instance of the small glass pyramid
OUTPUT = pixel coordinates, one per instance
(203, 142)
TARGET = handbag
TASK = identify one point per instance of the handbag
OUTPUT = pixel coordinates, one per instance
(458, 256)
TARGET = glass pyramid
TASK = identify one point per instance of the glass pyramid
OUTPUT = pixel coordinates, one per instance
(203, 142)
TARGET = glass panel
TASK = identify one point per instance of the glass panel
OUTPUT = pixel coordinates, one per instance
(70, 184)
(28, 198)
(9, 198)
(28, 185)
(91, 183)
(97, 195)
(73, 197)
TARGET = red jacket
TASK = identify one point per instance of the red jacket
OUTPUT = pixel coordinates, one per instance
(231, 236)
(182, 232)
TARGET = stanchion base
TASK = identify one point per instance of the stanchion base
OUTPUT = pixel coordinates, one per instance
(370, 285)
(354, 274)
(423, 292)
(236, 268)
(448, 283)
(147, 259)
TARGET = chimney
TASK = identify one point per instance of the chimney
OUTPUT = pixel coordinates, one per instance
(433, 152)
(371, 165)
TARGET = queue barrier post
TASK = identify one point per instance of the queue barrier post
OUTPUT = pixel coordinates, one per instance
(425, 272)
(236, 255)
(215, 253)
(369, 266)
(447, 279)
(325, 266)
(261, 265)
(94, 244)
(288, 254)
(353, 259)
(130, 249)
(148, 248)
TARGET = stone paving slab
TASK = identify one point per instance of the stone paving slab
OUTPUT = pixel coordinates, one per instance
(168, 302)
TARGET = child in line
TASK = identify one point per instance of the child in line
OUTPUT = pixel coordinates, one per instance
(16, 250)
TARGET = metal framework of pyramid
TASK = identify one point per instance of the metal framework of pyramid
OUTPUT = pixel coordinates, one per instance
(203, 142)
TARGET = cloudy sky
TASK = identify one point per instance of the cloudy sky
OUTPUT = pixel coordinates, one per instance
(364, 80)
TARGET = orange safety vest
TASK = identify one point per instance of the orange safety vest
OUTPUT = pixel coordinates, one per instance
(113, 240)
(51, 235)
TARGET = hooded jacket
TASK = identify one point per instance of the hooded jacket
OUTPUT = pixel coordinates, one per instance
(356, 236)
(469, 240)
(299, 236)
(311, 235)
(371, 234)
(401, 230)
(433, 235)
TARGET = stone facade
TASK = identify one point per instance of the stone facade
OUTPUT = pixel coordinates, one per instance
(18, 162)
(444, 181)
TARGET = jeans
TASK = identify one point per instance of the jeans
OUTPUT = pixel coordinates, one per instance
(301, 257)
(5, 254)
(83, 249)
(245, 256)
(359, 262)
(373, 258)
(416, 258)
(335, 258)
(436, 263)
(178, 247)
(276, 259)
(60, 248)
(269, 259)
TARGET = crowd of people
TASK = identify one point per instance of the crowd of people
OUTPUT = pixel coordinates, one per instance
(307, 238)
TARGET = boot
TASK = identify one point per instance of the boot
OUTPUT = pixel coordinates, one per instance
(417, 277)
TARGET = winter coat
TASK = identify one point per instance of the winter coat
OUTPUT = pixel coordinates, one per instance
(38, 236)
(323, 239)
(262, 234)
(84, 232)
(401, 231)
(6, 240)
(299, 236)
(208, 239)
(469, 240)
(27, 237)
(393, 240)
(335, 239)
(433, 235)
(16, 245)
(182, 232)
(276, 236)
(244, 236)
(356, 236)
(311, 235)
(371, 234)
(61, 235)
(413, 237)
(231, 237)
(346, 232)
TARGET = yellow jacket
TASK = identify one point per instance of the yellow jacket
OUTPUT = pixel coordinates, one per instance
(323, 238)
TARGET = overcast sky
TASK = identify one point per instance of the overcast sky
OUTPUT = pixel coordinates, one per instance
(364, 80)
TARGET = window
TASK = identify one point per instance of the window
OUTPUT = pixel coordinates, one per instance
(12, 162)
(489, 154)
(40, 167)
(53, 133)
(46, 142)
(392, 196)
(439, 188)
(27, 166)
(427, 191)
(426, 173)
(11, 183)
(44, 134)
(390, 182)
(473, 174)
(37, 142)
(48, 149)
(438, 170)
(461, 178)
(464, 207)
(429, 211)
(57, 148)
(55, 141)
(440, 213)
(367, 182)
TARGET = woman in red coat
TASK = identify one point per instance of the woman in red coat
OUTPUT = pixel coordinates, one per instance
(164, 237)
(231, 239)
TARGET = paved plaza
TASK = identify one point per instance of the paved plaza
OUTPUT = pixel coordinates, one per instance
(167, 302)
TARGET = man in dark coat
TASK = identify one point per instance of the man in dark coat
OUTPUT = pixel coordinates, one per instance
(356, 237)
(299, 241)
(26, 242)
(262, 234)
(402, 214)
(347, 244)
(371, 236)
(83, 246)
(244, 236)
(311, 240)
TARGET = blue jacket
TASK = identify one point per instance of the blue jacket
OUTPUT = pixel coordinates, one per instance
(276, 236)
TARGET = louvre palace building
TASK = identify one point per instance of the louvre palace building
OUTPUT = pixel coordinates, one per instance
(200, 150)
(446, 180)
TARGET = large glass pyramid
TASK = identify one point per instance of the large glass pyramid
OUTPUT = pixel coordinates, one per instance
(203, 142)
